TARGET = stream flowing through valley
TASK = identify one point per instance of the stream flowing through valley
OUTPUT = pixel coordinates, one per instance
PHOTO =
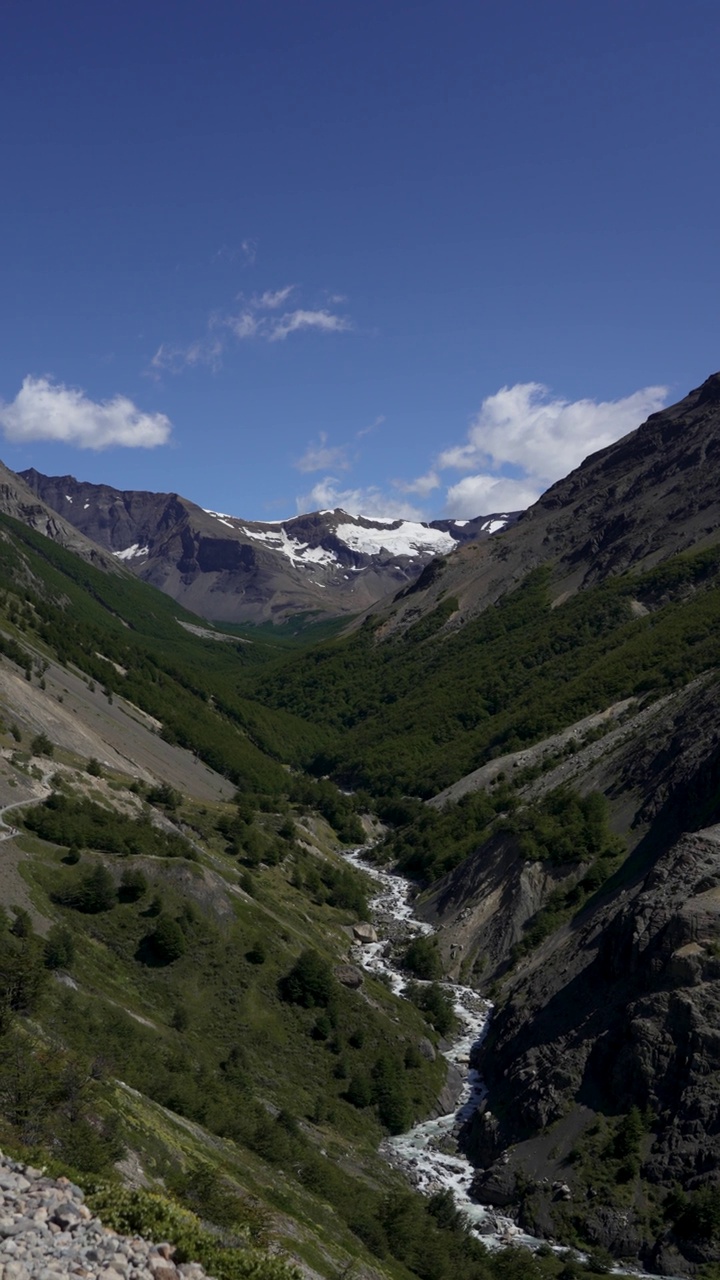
(428, 1153)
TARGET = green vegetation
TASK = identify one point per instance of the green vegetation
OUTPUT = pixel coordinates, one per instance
(422, 958)
(564, 827)
(82, 823)
(412, 714)
(310, 982)
(203, 939)
(157, 1217)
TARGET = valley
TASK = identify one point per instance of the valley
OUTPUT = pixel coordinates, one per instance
(517, 742)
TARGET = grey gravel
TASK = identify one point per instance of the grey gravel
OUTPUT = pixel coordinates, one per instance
(47, 1232)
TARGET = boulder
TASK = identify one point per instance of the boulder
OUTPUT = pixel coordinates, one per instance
(364, 932)
(349, 975)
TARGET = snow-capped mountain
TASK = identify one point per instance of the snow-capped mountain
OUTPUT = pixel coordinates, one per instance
(232, 570)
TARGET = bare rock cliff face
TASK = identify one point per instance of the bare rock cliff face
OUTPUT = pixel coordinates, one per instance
(626, 1015)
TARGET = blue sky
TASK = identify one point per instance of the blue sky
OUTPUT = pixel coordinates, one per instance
(413, 258)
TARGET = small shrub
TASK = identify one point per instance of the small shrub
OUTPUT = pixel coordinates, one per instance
(133, 885)
(59, 948)
(310, 982)
(167, 940)
(423, 958)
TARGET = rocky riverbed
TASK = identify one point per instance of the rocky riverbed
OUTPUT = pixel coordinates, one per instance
(429, 1153)
(47, 1232)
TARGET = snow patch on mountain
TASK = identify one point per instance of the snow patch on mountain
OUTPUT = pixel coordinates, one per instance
(409, 539)
(130, 553)
(297, 552)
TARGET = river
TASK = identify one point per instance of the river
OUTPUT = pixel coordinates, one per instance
(428, 1154)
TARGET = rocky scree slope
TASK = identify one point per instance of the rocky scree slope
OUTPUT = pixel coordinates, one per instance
(233, 570)
(628, 507)
(48, 1232)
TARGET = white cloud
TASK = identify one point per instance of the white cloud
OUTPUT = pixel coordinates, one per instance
(522, 440)
(544, 435)
(321, 456)
(43, 410)
(422, 485)
(483, 495)
(327, 494)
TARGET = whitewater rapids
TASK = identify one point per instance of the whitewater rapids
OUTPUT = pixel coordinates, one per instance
(428, 1153)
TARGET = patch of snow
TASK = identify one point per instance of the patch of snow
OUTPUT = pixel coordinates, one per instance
(68, 498)
(131, 553)
(410, 539)
(297, 552)
(218, 515)
(494, 526)
(87, 504)
(461, 523)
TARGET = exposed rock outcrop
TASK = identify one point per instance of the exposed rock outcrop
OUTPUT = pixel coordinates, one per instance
(626, 1015)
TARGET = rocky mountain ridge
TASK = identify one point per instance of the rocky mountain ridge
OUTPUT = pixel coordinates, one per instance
(21, 502)
(227, 569)
(649, 496)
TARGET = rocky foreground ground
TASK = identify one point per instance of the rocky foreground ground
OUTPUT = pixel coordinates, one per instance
(47, 1232)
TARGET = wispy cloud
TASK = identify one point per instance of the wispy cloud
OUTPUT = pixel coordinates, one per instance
(294, 321)
(206, 351)
(372, 426)
(255, 318)
(245, 253)
(43, 410)
(323, 457)
(260, 317)
(271, 299)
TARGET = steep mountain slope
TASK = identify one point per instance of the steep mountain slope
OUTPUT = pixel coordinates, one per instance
(19, 500)
(625, 509)
(233, 570)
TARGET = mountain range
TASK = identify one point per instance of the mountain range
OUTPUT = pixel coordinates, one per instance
(526, 727)
(227, 569)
